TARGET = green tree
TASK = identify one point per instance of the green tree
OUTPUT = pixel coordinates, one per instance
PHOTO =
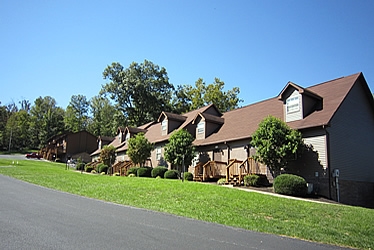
(141, 92)
(179, 150)
(76, 116)
(3, 121)
(139, 149)
(108, 155)
(47, 120)
(104, 117)
(17, 130)
(276, 143)
(187, 97)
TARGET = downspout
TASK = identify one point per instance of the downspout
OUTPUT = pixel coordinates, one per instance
(328, 157)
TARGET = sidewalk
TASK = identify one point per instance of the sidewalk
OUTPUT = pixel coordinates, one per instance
(270, 192)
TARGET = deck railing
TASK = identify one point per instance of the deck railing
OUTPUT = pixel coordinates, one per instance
(214, 169)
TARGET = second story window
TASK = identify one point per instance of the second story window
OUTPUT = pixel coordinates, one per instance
(127, 137)
(158, 153)
(293, 104)
(164, 125)
(200, 127)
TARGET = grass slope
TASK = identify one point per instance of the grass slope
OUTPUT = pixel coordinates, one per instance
(327, 223)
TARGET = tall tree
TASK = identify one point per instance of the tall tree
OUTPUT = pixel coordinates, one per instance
(3, 121)
(187, 97)
(141, 92)
(139, 149)
(180, 151)
(17, 130)
(47, 120)
(76, 117)
(25, 105)
(104, 117)
(276, 143)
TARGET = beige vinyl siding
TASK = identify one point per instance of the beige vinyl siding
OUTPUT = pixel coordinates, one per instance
(352, 137)
(319, 146)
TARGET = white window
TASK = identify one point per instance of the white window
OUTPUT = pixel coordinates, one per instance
(164, 125)
(293, 104)
(200, 127)
(158, 153)
(127, 137)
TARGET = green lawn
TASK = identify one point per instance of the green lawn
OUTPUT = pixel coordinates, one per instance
(327, 223)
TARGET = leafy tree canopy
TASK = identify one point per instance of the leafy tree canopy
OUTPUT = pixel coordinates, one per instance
(180, 150)
(108, 155)
(276, 143)
(76, 117)
(139, 149)
(187, 97)
(141, 92)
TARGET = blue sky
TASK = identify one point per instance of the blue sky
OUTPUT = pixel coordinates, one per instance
(60, 48)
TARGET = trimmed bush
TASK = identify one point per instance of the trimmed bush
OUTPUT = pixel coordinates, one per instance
(80, 166)
(131, 175)
(159, 171)
(221, 181)
(93, 171)
(171, 174)
(116, 174)
(144, 172)
(88, 169)
(133, 170)
(188, 176)
(252, 180)
(289, 184)
(102, 168)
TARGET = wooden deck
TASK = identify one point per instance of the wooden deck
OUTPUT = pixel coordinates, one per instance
(234, 171)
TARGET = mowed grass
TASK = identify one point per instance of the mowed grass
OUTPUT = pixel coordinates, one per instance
(327, 223)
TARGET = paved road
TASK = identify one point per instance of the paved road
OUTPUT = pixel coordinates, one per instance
(33, 217)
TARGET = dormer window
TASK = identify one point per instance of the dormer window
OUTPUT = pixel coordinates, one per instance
(164, 124)
(293, 104)
(200, 127)
(100, 144)
(120, 136)
(127, 137)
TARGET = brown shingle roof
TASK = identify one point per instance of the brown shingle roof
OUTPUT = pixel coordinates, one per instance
(243, 122)
(172, 116)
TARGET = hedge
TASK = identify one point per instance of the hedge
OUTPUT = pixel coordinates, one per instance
(188, 176)
(144, 172)
(171, 174)
(289, 184)
(159, 171)
(133, 170)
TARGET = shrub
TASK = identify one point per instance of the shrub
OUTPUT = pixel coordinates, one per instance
(158, 171)
(103, 173)
(116, 174)
(144, 172)
(221, 181)
(88, 168)
(93, 171)
(290, 185)
(171, 174)
(102, 168)
(80, 166)
(188, 176)
(132, 175)
(132, 170)
(252, 180)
